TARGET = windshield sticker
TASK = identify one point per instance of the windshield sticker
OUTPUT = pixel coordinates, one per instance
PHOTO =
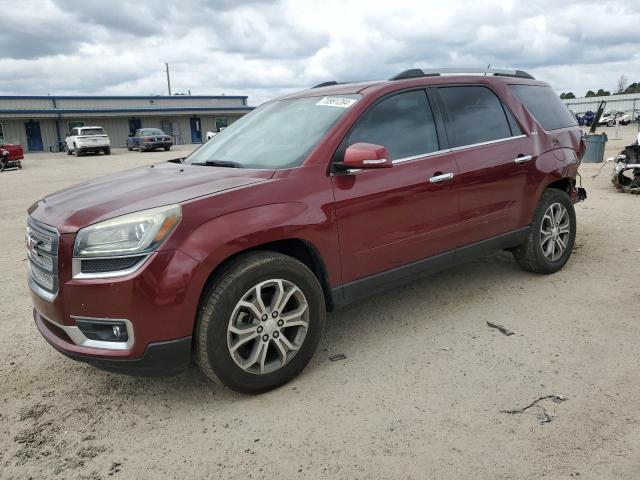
(340, 102)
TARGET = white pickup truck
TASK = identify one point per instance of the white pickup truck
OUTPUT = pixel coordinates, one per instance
(88, 139)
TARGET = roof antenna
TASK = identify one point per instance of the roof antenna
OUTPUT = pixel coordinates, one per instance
(488, 67)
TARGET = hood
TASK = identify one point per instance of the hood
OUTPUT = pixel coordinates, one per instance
(139, 189)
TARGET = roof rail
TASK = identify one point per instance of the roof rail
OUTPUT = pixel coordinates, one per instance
(417, 72)
(326, 84)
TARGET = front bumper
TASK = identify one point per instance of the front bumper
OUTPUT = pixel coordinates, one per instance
(158, 359)
(157, 302)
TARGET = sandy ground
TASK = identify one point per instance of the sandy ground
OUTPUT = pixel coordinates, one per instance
(419, 395)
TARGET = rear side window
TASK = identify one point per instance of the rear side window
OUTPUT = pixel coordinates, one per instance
(403, 123)
(545, 106)
(93, 131)
(475, 115)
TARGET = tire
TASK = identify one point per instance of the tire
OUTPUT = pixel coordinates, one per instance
(533, 254)
(166, 149)
(140, 149)
(129, 147)
(610, 123)
(107, 151)
(220, 308)
(19, 165)
(66, 147)
(76, 151)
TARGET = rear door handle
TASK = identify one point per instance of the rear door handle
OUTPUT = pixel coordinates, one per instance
(442, 177)
(522, 159)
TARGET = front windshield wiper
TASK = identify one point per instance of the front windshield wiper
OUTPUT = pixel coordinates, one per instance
(219, 163)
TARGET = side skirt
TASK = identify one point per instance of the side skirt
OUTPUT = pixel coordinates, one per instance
(382, 281)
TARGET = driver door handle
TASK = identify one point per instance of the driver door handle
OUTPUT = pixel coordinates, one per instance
(441, 177)
(522, 159)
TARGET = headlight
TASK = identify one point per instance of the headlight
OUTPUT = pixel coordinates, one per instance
(135, 233)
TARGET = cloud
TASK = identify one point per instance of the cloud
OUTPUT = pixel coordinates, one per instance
(266, 48)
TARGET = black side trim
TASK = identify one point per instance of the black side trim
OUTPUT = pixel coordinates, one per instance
(325, 84)
(160, 359)
(381, 281)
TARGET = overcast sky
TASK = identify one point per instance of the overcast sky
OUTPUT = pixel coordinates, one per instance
(266, 48)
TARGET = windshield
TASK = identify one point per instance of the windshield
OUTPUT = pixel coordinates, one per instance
(92, 131)
(151, 131)
(278, 134)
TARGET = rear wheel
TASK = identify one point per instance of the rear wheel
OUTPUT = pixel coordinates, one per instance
(107, 151)
(553, 232)
(66, 147)
(76, 151)
(140, 149)
(260, 322)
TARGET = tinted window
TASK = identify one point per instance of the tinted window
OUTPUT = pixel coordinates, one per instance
(402, 123)
(545, 106)
(513, 123)
(151, 131)
(475, 115)
(93, 131)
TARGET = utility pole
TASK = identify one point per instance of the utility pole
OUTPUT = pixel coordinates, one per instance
(168, 79)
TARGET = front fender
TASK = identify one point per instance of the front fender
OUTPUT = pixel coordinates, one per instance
(216, 240)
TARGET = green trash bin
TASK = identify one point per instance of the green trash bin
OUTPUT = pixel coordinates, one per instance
(595, 147)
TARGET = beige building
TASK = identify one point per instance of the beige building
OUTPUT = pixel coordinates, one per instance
(40, 123)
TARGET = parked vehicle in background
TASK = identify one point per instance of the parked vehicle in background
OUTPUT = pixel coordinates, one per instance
(145, 139)
(83, 140)
(210, 135)
(580, 119)
(588, 117)
(16, 152)
(233, 255)
(610, 119)
(10, 156)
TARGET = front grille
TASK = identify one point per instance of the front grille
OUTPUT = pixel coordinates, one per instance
(42, 255)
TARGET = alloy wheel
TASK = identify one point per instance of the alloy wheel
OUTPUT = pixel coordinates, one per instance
(268, 326)
(555, 231)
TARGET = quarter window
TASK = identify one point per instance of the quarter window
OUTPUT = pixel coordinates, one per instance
(403, 124)
(476, 115)
(545, 106)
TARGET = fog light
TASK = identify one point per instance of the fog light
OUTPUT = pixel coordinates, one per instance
(103, 330)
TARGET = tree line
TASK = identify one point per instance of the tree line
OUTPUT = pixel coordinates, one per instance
(623, 87)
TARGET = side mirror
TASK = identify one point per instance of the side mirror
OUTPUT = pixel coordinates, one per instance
(365, 156)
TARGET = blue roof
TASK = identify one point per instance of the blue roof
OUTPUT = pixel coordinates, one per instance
(117, 97)
(124, 110)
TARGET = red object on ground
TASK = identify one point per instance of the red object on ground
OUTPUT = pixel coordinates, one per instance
(16, 152)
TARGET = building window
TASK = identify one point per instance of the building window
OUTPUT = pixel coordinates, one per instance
(166, 126)
(221, 123)
(72, 125)
(1, 133)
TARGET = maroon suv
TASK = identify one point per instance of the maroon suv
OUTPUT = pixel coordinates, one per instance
(233, 255)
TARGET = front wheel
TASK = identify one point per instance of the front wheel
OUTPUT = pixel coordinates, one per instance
(552, 235)
(610, 123)
(166, 149)
(107, 151)
(76, 150)
(260, 322)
